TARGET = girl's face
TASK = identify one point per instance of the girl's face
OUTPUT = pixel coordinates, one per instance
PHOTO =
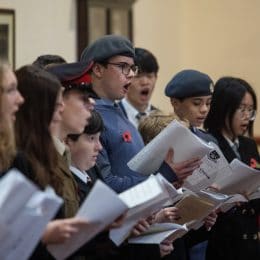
(59, 107)
(242, 117)
(11, 98)
(79, 104)
(85, 150)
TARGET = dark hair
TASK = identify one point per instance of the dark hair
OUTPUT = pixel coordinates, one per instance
(46, 60)
(145, 61)
(94, 126)
(40, 90)
(226, 99)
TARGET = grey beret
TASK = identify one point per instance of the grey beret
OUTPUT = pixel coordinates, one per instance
(189, 83)
(106, 47)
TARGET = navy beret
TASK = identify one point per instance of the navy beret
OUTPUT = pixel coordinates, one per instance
(189, 83)
(106, 47)
(70, 72)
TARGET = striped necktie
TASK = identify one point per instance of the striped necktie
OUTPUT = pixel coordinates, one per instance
(140, 115)
(235, 149)
(193, 129)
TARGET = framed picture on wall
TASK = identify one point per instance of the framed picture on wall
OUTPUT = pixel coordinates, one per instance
(97, 22)
(96, 18)
(120, 21)
(7, 36)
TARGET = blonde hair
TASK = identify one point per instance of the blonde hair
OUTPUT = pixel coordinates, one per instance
(7, 139)
(152, 125)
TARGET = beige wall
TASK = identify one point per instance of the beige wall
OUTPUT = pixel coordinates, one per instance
(218, 37)
(43, 27)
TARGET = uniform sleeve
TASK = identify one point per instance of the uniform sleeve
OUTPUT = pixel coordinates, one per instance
(114, 180)
(168, 173)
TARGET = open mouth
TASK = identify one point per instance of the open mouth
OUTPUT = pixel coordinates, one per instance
(245, 126)
(126, 86)
(144, 92)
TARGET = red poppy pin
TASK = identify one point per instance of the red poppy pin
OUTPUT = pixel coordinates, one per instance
(127, 137)
(254, 164)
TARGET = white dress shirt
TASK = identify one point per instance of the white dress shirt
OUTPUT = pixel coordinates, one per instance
(234, 145)
(132, 113)
(82, 175)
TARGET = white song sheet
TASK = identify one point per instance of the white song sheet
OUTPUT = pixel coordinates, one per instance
(184, 143)
(25, 220)
(213, 166)
(101, 208)
(30, 224)
(143, 200)
(15, 191)
(159, 232)
(242, 179)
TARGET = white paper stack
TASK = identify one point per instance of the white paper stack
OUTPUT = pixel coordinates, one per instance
(158, 232)
(213, 166)
(184, 143)
(241, 179)
(25, 212)
(101, 208)
(143, 200)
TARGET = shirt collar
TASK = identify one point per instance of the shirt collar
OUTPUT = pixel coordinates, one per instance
(231, 143)
(132, 112)
(129, 106)
(62, 149)
(59, 145)
(82, 175)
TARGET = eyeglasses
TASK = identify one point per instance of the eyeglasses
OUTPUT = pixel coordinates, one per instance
(250, 112)
(125, 67)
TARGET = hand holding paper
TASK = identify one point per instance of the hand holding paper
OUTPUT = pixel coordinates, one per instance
(143, 200)
(185, 144)
(141, 226)
(99, 213)
(168, 214)
(210, 220)
(166, 247)
(59, 230)
(157, 233)
(182, 169)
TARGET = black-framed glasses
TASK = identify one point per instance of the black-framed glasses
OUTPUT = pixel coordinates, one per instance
(250, 112)
(125, 67)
